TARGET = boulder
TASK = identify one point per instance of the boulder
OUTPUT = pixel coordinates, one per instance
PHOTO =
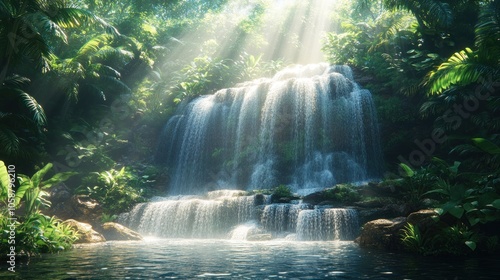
(387, 188)
(382, 234)
(422, 217)
(388, 211)
(318, 197)
(87, 234)
(78, 207)
(426, 220)
(115, 231)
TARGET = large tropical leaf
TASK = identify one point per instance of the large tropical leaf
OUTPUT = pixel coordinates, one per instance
(462, 68)
(486, 145)
(37, 178)
(4, 181)
(59, 177)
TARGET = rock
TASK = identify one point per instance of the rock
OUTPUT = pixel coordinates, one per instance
(388, 188)
(382, 234)
(115, 231)
(78, 207)
(87, 234)
(389, 211)
(260, 237)
(59, 193)
(423, 219)
(260, 199)
(318, 197)
(376, 203)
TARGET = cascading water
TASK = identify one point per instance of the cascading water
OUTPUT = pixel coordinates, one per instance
(309, 127)
(229, 214)
(327, 224)
(192, 217)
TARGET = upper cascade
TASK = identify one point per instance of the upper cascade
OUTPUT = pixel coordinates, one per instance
(308, 127)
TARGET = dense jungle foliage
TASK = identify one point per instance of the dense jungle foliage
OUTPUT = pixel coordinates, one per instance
(86, 86)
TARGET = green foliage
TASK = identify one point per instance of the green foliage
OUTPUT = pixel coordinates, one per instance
(282, 191)
(412, 239)
(418, 182)
(116, 190)
(203, 76)
(5, 181)
(108, 218)
(472, 66)
(32, 190)
(453, 240)
(21, 117)
(429, 13)
(486, 145)
(35, 233)
(344, 193)
(466, 202)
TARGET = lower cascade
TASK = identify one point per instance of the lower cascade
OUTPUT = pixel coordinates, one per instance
(233, 215)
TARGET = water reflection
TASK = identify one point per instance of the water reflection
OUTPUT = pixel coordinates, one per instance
(224, 259)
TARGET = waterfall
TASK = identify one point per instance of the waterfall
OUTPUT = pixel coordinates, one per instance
(231, 214)
(327, 224)
(309, 127)
(191, 217)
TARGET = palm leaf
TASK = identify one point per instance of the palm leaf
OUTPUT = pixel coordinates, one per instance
(44, 25)
(74, 17)
(38, 113)
(16, 81)
(92, 47)
(438, 12)
(488, 26)
(430, 11)
(462, 68)
(5, 9)
(8, 141)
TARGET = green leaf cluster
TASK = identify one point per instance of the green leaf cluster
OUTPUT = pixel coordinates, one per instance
(34, 232)
(117, 190)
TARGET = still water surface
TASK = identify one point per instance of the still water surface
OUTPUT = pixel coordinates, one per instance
(225, 259)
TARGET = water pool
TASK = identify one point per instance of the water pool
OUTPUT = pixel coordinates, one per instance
(225, 259)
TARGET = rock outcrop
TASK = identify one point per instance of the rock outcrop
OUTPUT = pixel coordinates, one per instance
(382, 234)
(87, 234)
(115, 231)
(78, 207)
